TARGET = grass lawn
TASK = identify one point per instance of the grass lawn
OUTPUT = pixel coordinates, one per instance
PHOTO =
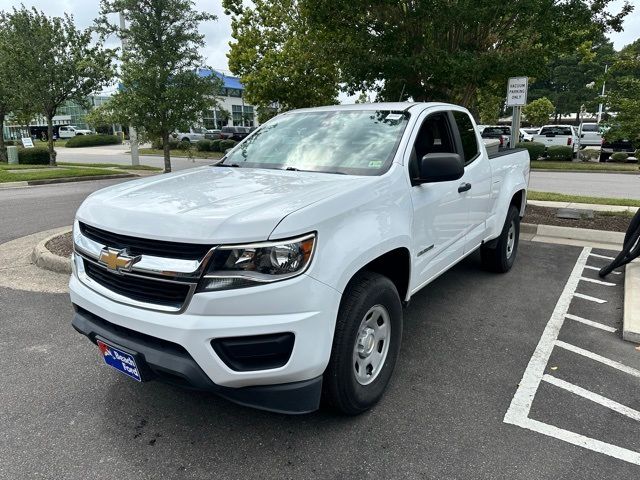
(57, 143)
(6, 166)
(181, 153)
(561, 197)
(111, 165)
(588, 166)
(48, 173)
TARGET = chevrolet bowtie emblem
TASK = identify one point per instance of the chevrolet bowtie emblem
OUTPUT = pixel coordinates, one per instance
(117, 260)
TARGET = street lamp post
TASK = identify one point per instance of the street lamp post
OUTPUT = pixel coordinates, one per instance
(600, 106)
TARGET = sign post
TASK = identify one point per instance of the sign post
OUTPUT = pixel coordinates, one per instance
(516, 98)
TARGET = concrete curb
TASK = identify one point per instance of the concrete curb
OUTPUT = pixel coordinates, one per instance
(573, 236)
(79, 179)
(631, 319)
(582, 206)
(555, 170)
(43, 258)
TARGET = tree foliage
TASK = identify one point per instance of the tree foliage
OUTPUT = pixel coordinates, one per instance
(161, 89)
(538, 111)
(574, 79)
(283, 61)
(52, 62)
(624, 94)
(7, 93)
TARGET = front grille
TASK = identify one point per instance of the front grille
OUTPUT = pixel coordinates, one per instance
(144, 246)
(140, 289)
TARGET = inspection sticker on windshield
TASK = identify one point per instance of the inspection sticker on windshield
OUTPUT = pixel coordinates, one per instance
(121, 361)
(393, 117)
(375, 163)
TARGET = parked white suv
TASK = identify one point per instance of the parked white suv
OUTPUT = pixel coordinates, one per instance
(590, 135)
(281, 272)
(194, 134)
(69, 131)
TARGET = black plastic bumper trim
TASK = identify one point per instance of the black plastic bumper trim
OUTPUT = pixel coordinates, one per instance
(170, 363)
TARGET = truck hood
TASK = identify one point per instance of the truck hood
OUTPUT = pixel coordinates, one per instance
(210, 204)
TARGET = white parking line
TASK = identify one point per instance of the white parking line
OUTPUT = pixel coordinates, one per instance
(589, 297)
(591, 323)
(520, 407)
(601, 256)
(599, 282)
(594, 397)
(597, 269)
(598, 358)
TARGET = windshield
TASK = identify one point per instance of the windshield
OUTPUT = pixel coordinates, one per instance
(346, 141)
(589, 127)
(497, 131)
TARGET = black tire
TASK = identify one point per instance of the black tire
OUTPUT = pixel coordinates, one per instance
(496, 256)
(186, 140)
(604, 157)
(341, 388)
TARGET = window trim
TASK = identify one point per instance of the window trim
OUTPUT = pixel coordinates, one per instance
(459, 137)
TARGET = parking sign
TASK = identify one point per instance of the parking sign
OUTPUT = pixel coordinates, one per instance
(517, 91)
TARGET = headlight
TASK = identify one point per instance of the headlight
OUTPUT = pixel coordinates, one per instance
(239, 266)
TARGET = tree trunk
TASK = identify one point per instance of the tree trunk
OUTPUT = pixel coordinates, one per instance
(167, 152)
(52, 152)
(3, 153)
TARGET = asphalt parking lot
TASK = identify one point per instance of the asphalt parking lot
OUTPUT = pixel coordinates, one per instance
(468, 347)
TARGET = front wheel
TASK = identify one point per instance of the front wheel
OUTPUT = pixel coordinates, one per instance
(366, 344)
(500, 255)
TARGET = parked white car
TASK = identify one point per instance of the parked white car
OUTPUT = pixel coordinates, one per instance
(281, 271)
(195, 134)
(564, 135)
(590, 135)
(526, 134)
(69, 131)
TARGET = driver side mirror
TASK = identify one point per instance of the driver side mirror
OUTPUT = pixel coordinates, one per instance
(440, 167)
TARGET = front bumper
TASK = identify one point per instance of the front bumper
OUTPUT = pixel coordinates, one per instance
(302, 305)
(168, 362)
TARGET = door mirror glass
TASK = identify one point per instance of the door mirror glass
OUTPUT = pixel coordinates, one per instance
(440, 167)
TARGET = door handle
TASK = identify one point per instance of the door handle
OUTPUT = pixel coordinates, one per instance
(464, 187)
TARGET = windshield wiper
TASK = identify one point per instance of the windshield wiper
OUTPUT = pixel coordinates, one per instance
(222, 164)
(295, 169)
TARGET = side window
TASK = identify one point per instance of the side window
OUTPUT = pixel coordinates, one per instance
(467, 135)
(435, 136)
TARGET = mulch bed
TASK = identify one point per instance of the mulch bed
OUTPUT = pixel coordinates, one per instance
(547, 216)
(62, 245)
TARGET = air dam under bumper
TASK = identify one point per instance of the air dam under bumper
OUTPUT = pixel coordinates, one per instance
(169, 362)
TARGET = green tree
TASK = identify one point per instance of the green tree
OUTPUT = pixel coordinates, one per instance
(490, 103)
(538, 111)
(54, 62)
(161, 88)
(623, 97)
(282, 61)
(7, 86)
(569, 78)
(446, 50)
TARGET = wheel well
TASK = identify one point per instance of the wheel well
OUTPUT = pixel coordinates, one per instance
(517, 200)
(395, 265)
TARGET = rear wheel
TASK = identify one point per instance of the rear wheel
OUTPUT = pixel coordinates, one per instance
(500, 255)
(366, 344)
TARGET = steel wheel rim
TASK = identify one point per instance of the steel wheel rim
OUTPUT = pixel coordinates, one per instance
(371, 345)
(511, 239)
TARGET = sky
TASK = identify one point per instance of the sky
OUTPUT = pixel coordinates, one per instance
(218, 33)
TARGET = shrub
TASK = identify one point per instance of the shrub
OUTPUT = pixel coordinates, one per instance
(33, 156)
(536, 150)
(618, 157)
(559, 153)
(637, 154)
(203, 145)
(215, 145)
(227, 144)
(181, 145)
(93, 140)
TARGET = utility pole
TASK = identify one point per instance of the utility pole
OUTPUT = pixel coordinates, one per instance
(133, 135)
(600, 107)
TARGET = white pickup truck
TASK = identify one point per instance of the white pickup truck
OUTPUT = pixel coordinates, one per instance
(279, 274)
(562, 135)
